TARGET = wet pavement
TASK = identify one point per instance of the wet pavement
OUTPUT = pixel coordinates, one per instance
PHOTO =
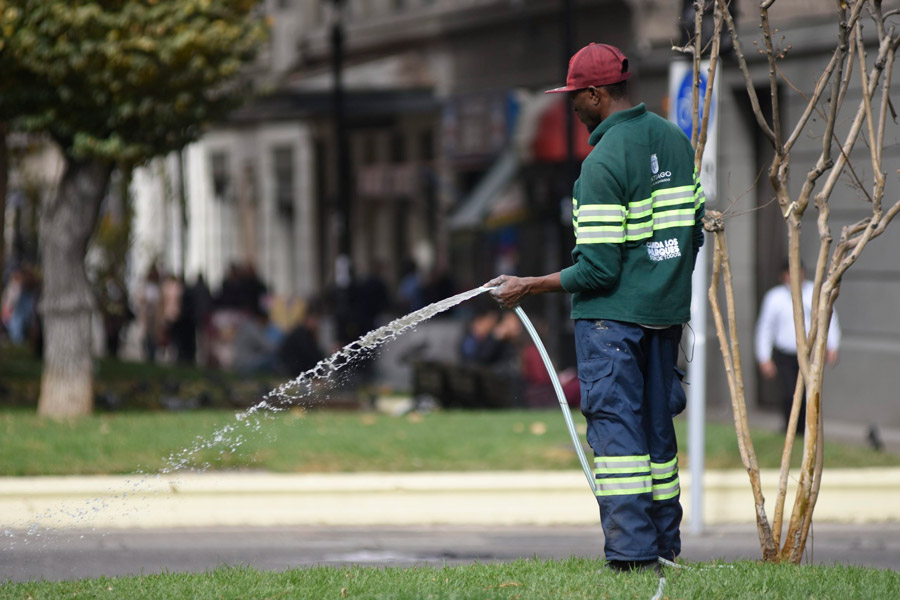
(74, 554)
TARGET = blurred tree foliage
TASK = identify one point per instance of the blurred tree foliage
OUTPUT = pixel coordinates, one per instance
(111, 82)
(123, 80)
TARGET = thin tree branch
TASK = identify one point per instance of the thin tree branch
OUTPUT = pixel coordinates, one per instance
(867, 104)
(887, 46)
(745, 72)
(837, 61)
(875, 11)
(812, 101)
(695, 91)
(710, 85)
(885, 102)
(773, 76)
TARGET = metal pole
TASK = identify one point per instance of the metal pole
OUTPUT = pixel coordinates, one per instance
(342, 207)
(697, 391)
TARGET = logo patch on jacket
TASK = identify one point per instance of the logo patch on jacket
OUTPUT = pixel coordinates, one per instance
(656, 176)
(664, 250)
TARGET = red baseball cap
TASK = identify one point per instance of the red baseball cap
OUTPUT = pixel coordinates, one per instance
(595, 64)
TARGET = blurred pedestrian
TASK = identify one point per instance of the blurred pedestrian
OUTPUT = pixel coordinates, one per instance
(19, 304)
(150, 317)
(285, 312)
(183, 330)
(251, 289)
(478, 330)
(373, 296)
(776, 341)
(500, 350)
(410, 295)
(10, 297)
(254, 350)
(202, 305)
(172, 295)
(439, 286)
(300, 351)
(116, 314)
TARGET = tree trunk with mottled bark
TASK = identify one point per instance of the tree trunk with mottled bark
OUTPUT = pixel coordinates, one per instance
(67, 222)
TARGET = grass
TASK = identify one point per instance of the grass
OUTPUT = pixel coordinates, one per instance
(521, 580)
(139, 437)
(326, 441)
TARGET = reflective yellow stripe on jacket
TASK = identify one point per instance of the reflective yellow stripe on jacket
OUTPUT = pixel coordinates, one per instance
(613, 224)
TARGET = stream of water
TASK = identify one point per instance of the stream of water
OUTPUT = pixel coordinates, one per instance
(307, 388)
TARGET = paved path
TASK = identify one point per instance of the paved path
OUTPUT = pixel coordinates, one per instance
(76, 554)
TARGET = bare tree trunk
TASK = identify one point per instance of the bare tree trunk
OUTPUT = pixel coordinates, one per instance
(67, 222)
(731, 357)
(869, 124)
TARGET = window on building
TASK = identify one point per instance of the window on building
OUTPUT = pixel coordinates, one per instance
(317, 12)
(426, 145)
(221, 176)
(398, 147)
(370, 149)
(283, 161)
(360, 9)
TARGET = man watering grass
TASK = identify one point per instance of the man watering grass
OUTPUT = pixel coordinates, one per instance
(637, 209)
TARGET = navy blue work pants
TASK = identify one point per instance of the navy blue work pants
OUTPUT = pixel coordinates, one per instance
(629, 394)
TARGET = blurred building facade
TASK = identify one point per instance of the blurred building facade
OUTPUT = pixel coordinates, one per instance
(458, 162)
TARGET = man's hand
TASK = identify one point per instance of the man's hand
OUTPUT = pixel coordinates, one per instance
(508, 290)
(768, 369)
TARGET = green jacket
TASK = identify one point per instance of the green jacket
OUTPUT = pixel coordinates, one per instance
(637, 210)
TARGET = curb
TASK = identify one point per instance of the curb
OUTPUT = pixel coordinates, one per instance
(486, 498)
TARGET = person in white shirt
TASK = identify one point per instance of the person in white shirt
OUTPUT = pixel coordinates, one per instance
(776, 343)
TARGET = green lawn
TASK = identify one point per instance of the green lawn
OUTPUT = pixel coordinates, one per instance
(329, 441)
(523, 580)
(138, 436)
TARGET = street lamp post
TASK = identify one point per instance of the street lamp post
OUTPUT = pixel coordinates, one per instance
(342, 204)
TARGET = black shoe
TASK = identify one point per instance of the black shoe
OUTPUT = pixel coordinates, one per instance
(628, 566)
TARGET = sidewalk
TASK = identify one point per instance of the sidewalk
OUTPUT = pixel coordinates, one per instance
(487, 498)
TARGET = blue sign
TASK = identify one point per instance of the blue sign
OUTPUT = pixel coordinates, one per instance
(684, 101)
